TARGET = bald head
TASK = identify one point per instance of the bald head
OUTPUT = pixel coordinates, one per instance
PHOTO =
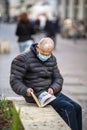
(46, 44)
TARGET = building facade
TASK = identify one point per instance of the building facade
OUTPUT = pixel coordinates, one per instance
(12, 8)
(74, 9)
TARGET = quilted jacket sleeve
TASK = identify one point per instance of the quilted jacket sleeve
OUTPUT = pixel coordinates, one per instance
(18, 70)
(57, 80)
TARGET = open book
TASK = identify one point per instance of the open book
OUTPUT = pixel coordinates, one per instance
(43, 99)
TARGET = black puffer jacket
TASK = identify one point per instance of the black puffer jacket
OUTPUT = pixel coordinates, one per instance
(28, 71)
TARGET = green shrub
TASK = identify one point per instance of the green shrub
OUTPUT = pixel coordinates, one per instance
(11, 115)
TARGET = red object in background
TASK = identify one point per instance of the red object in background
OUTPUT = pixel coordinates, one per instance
(43, 14)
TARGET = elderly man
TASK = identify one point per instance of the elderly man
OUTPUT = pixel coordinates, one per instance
(36, 70)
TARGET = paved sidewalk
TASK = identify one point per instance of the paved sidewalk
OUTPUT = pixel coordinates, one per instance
(7, 33)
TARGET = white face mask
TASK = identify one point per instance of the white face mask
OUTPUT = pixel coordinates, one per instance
(43, 57)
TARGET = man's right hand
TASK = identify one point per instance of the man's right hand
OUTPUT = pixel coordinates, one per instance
(29, 90)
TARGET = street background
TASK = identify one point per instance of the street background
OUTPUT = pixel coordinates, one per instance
(72, 62)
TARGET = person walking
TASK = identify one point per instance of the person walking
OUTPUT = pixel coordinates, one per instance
(51, 29)
(24, 31)
(36, 70)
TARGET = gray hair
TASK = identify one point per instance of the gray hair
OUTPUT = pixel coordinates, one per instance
(46, 43)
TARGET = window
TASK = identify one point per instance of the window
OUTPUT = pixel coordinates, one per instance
(85, 2)
(67, 2)
(45, 3)
(21, 1)
(75, 13)
(85, 13)
(85, 10)
(59, 2)
(76, 2)
(66, 8)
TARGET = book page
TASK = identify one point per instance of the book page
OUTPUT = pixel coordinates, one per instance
(45, 98)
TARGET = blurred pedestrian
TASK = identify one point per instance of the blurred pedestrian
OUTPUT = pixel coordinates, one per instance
(24, 31)
(37, 25)
(50, 29)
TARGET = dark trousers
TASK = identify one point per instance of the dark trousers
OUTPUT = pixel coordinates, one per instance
(70, 111)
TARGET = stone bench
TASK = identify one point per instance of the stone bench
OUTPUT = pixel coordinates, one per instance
(4, 46)
(35, 118)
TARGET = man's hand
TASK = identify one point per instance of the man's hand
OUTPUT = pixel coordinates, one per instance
(50, 91)
(29, 90)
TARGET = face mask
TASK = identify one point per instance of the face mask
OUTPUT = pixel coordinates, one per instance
(43, 57)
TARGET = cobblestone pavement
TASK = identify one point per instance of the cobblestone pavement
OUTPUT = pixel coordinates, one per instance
(72, 61)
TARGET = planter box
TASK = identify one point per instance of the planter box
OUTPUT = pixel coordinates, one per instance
(35, 118)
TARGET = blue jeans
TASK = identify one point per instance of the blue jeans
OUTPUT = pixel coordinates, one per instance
(25, 45)
(70, 111)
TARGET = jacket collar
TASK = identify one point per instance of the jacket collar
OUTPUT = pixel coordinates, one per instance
(33, 48)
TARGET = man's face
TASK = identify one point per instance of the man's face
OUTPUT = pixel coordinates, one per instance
(44, 51)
